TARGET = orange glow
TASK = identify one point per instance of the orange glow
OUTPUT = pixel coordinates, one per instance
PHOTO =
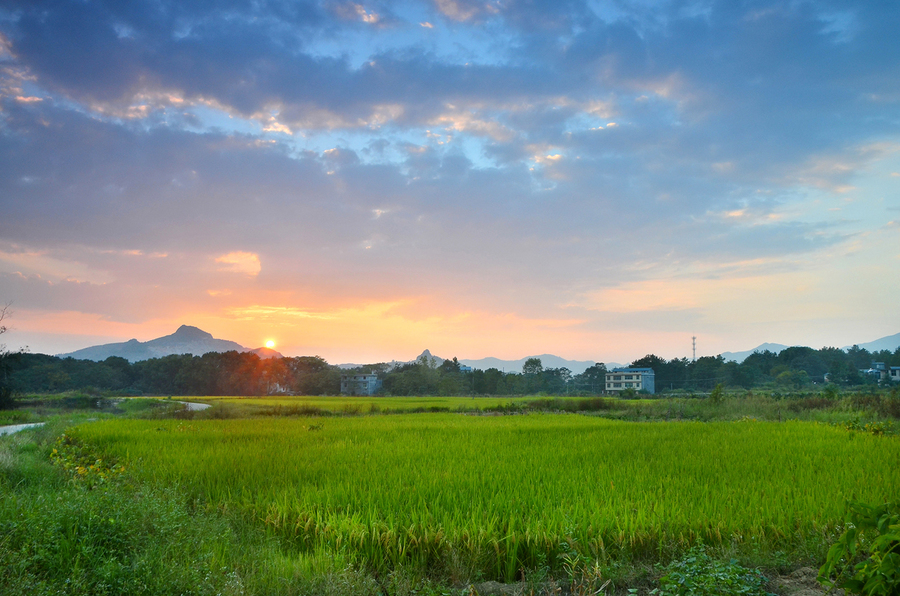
(270, 344)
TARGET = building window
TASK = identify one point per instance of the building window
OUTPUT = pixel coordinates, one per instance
(617, 384)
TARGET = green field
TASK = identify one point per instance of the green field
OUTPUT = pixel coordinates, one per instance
(345, 404)
(503, 494)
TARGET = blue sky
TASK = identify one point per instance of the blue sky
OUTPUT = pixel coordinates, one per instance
(361, 180)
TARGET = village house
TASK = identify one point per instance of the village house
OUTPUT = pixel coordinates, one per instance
(360, 384)
(638, 379)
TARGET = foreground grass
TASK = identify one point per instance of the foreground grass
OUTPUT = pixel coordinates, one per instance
(849, 408)
(170, 530)
(101, 532)
(499, 495)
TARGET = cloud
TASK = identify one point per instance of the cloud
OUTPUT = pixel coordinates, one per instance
(508, 157)
(246, 263)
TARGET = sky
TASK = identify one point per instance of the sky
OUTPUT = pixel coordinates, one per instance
(363, 180)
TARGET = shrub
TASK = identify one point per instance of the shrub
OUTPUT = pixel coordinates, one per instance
(872, 530)
(699, 575)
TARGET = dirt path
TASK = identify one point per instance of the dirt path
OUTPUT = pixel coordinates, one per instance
(195, 407)
(14, 428)
(801, 582)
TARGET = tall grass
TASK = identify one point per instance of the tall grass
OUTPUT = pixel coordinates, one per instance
(503, 494)
(64, 531)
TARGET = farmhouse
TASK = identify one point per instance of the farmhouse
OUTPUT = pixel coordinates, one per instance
(360, 384)
(639, 379)
(877, 371)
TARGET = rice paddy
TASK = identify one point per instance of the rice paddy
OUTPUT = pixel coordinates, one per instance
(345, 404)
(508, 493)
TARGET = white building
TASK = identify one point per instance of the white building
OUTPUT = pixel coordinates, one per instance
(639, 379)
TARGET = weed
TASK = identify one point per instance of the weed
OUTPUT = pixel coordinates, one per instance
(872, 531)
(698, 574)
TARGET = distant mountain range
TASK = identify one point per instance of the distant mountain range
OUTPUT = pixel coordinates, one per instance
(185, 340)
(741, 356)
(890, 343)
(547, 360)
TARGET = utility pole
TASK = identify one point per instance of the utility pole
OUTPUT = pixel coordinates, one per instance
(694, 359)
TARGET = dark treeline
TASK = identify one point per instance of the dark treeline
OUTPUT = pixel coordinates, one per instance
(234, 373)
(227, 373)
(792, 368)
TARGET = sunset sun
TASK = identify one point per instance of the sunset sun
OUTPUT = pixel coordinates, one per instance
(270, 343)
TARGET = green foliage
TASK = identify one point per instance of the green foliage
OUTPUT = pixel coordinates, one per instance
(717, 396)
(872, 532)
(414, 490)
(698, 574)
(245, 374)
(85, 468)
(88, 536)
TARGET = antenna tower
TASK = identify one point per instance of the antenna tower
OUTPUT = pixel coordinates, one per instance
(694, 338)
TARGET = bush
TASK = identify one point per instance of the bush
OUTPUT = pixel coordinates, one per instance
(699, 575)
(872, 530)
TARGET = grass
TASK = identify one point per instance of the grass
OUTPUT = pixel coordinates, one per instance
(321, 497)
(62, 532)
(362, 405)
(768, 406)
(502, 494)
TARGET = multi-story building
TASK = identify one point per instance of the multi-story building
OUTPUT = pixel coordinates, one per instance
(639, 379)
(360, 384)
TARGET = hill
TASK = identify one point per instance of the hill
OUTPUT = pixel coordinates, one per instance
(547, 360)
(890, 343)
(267, 353)
(741, 356)
(185, 340)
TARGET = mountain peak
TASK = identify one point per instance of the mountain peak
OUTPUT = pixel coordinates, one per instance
(186, 340)
(188, 332)
(264, 353)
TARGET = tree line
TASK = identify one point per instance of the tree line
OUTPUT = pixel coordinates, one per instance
(215, 373)
(235, 373)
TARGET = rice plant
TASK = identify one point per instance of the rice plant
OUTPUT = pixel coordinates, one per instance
(512, 493)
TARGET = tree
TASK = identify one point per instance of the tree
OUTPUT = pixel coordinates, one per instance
(6, 400)
(592, 379)
(860, 357)
(532, 366)
(533, 369)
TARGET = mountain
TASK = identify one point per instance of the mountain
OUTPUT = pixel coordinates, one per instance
(891, 343)
(741, 356)
(185, 340)
(267, 353)
(547, 360)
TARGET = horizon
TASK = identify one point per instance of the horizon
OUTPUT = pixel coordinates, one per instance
(616, 362)
(353, 179)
